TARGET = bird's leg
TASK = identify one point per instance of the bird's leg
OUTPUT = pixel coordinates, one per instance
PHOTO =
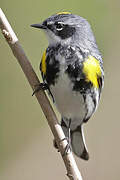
(68, 146)
(55, 144)
(43, 86)
(68, 138)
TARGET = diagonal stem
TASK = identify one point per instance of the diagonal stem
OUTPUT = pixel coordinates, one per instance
(72, 169)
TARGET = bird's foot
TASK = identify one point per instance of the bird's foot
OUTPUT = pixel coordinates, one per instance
(42, 86)
(67, 148)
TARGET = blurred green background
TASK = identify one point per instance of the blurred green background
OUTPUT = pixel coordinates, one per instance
(26, 150)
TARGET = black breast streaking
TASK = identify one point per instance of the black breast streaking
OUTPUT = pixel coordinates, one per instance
(77, 77)
(52, 70)
(74, 68)
(52, 66)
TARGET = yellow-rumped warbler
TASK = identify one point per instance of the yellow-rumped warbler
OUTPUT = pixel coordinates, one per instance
(72, 71)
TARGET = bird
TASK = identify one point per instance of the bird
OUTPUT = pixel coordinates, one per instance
(72, 72)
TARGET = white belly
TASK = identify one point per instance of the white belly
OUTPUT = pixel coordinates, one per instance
(69, 103)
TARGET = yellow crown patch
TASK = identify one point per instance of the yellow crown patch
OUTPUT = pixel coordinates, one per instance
(63, 13)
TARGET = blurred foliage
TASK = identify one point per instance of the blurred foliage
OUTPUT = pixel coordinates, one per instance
(21, 118)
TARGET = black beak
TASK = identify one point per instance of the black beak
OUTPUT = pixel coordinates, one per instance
(40, 26)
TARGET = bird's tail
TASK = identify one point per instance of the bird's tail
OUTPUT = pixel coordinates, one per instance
(77, 141)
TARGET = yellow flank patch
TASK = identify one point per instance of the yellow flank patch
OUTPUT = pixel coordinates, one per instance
(43, 63)
(92, 70)
(63, 13)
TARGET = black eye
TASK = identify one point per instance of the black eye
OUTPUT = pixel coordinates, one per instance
(59, 26)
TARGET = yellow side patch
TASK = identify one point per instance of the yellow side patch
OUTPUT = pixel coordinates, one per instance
(92, 70)
(43, 63)
(63, 13)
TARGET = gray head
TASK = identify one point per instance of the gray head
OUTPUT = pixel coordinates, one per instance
(66, 28)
